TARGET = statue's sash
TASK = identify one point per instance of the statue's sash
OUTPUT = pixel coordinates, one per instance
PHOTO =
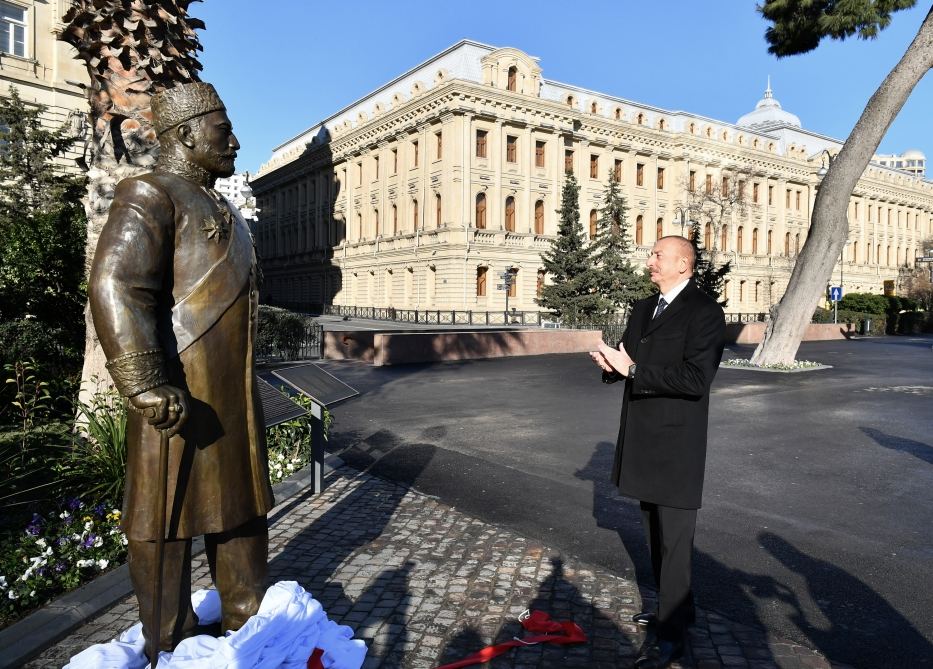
(216, 291)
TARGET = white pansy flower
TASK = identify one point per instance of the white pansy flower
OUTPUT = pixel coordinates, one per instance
(81, 564)
(102, 563)
(98, 542)
(40, 542)
(3, 582)
(88, 526)
(12, 594)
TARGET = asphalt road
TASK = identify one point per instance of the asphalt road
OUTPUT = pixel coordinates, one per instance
(818, 510)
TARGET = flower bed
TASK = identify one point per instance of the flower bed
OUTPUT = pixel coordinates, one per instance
(57, 551)
(796, 366)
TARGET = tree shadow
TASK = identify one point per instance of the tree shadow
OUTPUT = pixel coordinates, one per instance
(917, 449)
(606, 646)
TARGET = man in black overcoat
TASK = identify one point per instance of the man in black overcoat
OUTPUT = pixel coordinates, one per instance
(668, 357)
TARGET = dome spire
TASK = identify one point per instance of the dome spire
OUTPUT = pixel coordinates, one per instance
(768, 92)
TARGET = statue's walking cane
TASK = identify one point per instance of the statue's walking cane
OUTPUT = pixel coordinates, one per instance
(160, 546)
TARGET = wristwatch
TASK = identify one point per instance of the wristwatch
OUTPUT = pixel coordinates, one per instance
(631, 370)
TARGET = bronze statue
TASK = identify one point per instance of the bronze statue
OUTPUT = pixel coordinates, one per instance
(174, 299)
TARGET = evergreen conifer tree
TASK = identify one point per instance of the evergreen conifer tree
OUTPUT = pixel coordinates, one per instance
(709, 278)
(618, 282)
(571, 295)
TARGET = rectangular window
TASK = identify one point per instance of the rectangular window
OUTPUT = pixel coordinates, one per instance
(755, 193)
(856, 211)
(481, 281)
(725, 186)
(12, 29)
(511, 149)
(414, 153)
(741, 188)
(539, 154)
(798, 200)
(709, 184)
(359, 174)
(660, 178)
(394, 161)
(440, 144)
(594, 166)
(568, 161)
(787, 199)
(770, 195)
(692, 181)
(376, 165)
(481, 143)
(639, 174)
(617, 170)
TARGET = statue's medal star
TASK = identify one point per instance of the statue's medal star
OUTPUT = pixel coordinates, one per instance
(218, 230)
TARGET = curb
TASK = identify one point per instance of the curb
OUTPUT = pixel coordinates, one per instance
(28, 637)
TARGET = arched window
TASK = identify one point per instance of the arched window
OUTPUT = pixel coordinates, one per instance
(510, 214)
(739, 238)
(724, 238)
(593, 218)
(797, 244)
(539, 287)
(593, 108)
(437, 210)
(414, 214)
(570, 101)
(539, 217)
(854, 251)
(359, 226)
(755, 143)
(693, 128)
(481, 210)
(708, 236)
(770, 239)
(376, 221)
(659, 229)
(755, 241)
(640, 230)
(618, 114)
(640, 120)
(662, 124)
(787, 244)
(741, 291)
(512, 83)
(394, 220)
(757, 291)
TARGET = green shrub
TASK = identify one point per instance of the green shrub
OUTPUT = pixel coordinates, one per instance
(868, 303)
(856, 318)
(280, 332)
(289, 443)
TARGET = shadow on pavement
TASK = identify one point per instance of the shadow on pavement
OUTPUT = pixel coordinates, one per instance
(621, 515)
(377, 611)
(917, 449)
(848, 598)
(606, 645)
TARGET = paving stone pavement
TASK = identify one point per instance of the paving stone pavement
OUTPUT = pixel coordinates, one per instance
(424, 584)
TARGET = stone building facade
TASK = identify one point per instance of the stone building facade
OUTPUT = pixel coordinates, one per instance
(42, 68)
(421, 194)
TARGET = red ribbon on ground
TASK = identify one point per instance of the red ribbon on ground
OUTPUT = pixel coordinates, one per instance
(545, 631)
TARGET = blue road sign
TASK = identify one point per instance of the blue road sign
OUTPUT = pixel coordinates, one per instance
(835, 293)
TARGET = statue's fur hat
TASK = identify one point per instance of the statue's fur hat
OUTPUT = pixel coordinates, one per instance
(183, 103)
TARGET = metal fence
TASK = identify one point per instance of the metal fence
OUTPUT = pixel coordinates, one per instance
(306, 344)
(439, 317)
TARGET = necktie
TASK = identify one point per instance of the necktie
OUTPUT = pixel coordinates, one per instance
(662, 305)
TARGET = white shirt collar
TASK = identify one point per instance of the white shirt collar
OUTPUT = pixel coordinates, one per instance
(675, 291)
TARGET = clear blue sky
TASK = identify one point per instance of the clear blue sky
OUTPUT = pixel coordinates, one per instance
(283, 65)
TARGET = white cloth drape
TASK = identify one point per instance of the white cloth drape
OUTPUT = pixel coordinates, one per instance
(290, 624)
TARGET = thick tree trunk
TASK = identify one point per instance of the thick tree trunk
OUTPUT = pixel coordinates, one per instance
(829, 227)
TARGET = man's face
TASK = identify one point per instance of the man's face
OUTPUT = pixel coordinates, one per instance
(667, 264)
(215, 145)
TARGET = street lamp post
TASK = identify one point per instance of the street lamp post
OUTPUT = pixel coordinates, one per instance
(682, 211)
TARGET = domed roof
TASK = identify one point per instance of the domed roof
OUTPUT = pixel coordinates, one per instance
(768, 113)
(915, 154)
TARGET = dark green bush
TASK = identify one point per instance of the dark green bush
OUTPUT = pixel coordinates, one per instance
(280, 332)
(868, 303)
(856, 318)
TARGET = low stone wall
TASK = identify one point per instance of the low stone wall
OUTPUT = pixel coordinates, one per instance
(398, 348)
(753, 333)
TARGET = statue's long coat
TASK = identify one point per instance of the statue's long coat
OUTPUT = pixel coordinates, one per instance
(165, 276)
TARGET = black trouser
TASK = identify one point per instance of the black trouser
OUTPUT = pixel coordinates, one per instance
(238, 560)
(670, 539)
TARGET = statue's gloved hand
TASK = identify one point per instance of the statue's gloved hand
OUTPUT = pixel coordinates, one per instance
(165, 407)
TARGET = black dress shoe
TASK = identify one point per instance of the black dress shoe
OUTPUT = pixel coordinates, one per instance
(644, 618)
(660, 654)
